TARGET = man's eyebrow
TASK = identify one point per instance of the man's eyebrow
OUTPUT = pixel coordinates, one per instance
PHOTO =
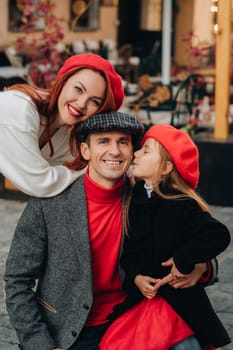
(102, 139)
(125, 137)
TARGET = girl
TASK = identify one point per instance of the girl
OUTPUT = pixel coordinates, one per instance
(167, 218)
(35, 123)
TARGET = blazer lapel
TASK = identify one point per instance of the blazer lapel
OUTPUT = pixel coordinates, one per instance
(78, 221)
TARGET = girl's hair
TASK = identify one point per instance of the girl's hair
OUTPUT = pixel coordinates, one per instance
(46, 100)
(174, 182)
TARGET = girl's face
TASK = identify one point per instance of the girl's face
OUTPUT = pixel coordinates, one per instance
(82, 96)
(147, 162)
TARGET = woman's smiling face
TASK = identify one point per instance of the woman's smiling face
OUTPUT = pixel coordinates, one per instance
(82, 96)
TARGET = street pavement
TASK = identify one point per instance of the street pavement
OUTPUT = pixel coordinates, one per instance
(221, 293)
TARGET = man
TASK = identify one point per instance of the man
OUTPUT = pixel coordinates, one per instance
(62, 275)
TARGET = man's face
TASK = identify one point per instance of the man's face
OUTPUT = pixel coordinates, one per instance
(109, 155)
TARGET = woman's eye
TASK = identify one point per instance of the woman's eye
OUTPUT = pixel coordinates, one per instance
(95, 102)
(78, 89)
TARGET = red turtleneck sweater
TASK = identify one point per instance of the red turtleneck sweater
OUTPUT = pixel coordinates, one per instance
(105, 227)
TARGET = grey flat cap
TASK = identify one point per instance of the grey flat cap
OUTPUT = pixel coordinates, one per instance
(110, 121)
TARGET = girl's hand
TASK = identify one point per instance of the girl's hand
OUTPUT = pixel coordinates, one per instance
(184, 281)
(147, 285)
(176, 274)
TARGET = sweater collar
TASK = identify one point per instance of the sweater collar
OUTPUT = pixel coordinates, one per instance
(100, 194)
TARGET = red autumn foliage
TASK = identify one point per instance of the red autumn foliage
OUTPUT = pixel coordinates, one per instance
(39, 45)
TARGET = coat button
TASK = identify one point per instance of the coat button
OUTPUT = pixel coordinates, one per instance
(74, 333)
(86, 306)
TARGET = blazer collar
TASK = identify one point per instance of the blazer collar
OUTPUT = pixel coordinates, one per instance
(78, 223)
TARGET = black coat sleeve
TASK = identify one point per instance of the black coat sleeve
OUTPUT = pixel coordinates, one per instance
(204, 238)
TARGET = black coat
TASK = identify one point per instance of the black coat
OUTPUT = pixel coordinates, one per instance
(160, 229)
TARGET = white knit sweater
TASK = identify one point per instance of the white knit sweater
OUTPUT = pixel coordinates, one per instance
(30, 169)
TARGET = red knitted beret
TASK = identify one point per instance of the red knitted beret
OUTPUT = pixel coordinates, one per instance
(181, 149)
(95, 61)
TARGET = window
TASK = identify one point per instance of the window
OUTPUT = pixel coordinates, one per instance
(151, 15)
(15, 12)
(84, 15)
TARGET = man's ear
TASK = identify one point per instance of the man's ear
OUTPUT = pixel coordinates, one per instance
(167, 168)
(85, 151)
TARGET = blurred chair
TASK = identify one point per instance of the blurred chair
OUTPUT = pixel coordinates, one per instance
(91, 45)
(78, 46)
(11, 65)
(6, 82)
(111, 46)
(127, 64)
(123, 65)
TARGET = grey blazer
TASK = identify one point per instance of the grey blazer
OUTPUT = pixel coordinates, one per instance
(51, 245)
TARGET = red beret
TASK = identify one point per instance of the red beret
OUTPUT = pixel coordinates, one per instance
(181, 149)
(97, 62)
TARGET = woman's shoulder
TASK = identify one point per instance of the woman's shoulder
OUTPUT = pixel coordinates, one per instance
(17, 109)
(18, 95)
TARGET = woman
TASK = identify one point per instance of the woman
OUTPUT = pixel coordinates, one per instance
(36, 124)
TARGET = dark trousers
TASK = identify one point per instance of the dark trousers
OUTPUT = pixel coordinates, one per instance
(89, 338)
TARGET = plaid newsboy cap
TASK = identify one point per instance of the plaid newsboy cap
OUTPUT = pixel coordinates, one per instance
(110, 121)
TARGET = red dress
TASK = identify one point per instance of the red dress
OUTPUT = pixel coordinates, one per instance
(150, 325)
